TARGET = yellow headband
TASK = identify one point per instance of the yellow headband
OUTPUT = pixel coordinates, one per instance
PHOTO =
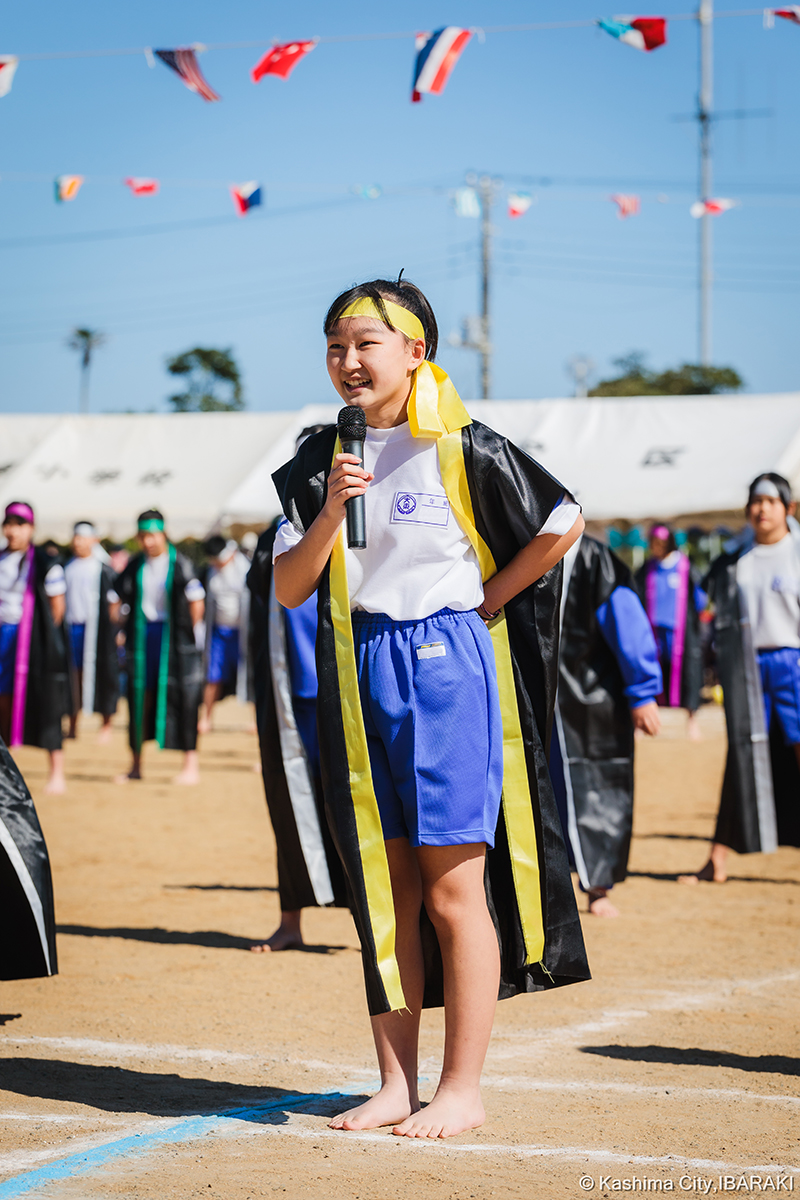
(400, 317)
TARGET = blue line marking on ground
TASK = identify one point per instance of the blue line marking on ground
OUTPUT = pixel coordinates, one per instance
(183, 1131)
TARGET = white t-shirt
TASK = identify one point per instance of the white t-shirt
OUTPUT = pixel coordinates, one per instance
(226, 585)
(418, 559)
(13, 584)
(769, 577)
(83, 581)
(154, 588)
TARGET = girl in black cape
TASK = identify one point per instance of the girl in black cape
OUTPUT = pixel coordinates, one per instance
(436, 656)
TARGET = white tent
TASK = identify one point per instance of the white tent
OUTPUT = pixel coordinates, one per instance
(109, 468)
(630, 458)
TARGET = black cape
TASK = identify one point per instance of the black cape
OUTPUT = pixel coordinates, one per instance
(528, 885)
(28, 925)
(759, 807)
(185, 671)
(105, 688)
(309, 870)
(593, 722)
(692, 665)
(47, 698)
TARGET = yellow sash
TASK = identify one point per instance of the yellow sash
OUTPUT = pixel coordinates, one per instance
(435, 410)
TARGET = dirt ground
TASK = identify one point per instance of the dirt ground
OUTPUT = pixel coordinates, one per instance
(165, 1061)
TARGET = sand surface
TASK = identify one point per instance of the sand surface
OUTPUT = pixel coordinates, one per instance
(166, 1061)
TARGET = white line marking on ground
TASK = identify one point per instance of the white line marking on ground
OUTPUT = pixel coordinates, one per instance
(293, 1128)
(506, 1083)
(99, 1049)
(672, 1001)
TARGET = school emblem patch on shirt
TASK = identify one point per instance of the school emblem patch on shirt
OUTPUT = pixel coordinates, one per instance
(420, 508)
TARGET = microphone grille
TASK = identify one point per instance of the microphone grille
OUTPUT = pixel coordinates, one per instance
(352, 424)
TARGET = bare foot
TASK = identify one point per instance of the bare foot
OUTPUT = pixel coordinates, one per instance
(132, 775)
(204, 725)
(601, 906)
(693, 731)
(387, 1107)
(55, 786)
(280, 940)
(104, 736)
(708, 874)
(188, 776)
(449, 1113)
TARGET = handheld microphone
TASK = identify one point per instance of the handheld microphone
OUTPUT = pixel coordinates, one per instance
(351, 426)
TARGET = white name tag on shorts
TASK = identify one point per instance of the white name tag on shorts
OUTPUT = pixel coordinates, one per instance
(431, 650)
(420, 508)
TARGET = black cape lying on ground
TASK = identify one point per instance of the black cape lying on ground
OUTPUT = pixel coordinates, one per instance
(27, 917)
(47, 698)
(759, 807)
(511, 497)
(692, 665)
(185, 672)
(594, 722)
(105, 694)
(309, 870)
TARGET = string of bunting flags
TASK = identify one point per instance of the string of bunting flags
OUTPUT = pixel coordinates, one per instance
(464, 200)
(437, 52)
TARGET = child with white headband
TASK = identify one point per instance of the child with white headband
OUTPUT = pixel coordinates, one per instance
(436, 653)
(755, 592)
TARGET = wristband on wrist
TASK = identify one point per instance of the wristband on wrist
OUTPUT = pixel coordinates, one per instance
(484, 613)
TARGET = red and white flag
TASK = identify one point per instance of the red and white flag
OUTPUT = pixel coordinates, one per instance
(519, 203)
(184, 63)
(281, 60)
(142, 187)
(790, 13)
(437, 54)
(711, 207)
(8, 65)
(643, 33)
(627, 205)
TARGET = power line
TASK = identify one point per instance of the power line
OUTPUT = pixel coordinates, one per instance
(528, 27)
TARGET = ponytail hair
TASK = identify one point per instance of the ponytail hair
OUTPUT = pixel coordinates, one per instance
(402, 292)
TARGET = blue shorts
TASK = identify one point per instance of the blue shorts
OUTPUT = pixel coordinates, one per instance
(780, 683)
(155, 633)
(77, 637)
(434, 730)
(223, 655)
(8, 658)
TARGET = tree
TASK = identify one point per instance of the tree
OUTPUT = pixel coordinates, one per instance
(85, 341)
(690, 379)
(213, 383)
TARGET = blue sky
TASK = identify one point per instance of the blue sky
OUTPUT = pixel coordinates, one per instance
(572, 107)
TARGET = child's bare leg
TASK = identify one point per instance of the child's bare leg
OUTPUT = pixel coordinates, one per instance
(455, 898)
(693, 728)
(715, 870)
(135, 771)
(104, 732)
(396, 1034)
(288, 935)
(190, 772)
(211, 694)
(599, 903)
(56, 784)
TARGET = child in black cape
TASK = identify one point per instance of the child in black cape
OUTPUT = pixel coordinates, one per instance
(437, 656)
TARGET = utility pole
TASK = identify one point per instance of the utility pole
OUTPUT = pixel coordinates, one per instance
(476, 331)
(705, 100)
(486, 194)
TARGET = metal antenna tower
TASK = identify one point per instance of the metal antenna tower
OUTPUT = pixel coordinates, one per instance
(705, 100)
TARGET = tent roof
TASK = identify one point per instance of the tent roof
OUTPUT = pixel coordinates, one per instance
(109, 468)
(638, 457)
